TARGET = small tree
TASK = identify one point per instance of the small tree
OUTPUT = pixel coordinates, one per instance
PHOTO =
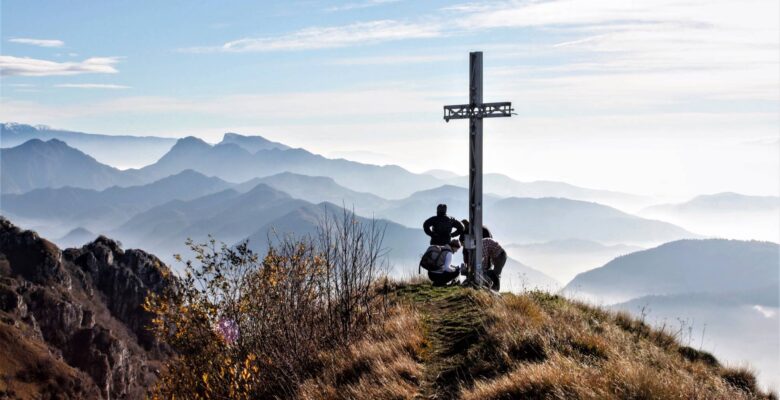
(242, 327)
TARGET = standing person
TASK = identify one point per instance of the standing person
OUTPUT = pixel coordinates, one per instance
(493, 261)
(440, 226)
(446, 272)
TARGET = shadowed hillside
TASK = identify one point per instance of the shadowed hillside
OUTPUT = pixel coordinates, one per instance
(72, 324)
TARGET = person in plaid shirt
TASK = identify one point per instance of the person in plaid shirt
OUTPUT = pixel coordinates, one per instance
(493, 261)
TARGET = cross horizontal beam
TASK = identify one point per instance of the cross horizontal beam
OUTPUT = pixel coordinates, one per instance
(484, 110)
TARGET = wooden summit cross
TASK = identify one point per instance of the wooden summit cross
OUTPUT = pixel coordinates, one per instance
(475, 111)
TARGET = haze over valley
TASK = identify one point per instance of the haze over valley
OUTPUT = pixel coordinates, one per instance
(659, 260)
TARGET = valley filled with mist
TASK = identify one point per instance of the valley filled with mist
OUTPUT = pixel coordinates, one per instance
(704, 267)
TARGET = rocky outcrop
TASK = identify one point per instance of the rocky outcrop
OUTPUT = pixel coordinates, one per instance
(83, 310)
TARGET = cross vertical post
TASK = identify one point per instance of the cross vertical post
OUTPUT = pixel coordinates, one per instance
(475, 166)
(475, 112)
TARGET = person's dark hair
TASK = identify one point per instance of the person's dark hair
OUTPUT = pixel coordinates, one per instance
(465, 223)
(441, 209)
(455, 244)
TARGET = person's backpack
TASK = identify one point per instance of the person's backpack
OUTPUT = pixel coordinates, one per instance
(434, 257)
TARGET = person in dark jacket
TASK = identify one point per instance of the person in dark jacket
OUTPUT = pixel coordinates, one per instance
(440, 227)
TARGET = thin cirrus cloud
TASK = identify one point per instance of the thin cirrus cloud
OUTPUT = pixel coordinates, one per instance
(24, 66)
(360, 5)
(38, 42)
(91, 86)
(329, 37)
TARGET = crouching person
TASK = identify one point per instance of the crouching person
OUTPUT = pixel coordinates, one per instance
(437, 260)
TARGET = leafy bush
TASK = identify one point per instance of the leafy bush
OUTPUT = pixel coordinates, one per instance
(248, 327)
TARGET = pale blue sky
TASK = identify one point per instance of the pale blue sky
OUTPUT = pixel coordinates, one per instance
(668, 97)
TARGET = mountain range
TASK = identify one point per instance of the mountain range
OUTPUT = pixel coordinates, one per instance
(505, 186)
(105, 209)
(564, 259)
(528, 220)
(726, 214)
(118, 150)
(683, 266)
(239, 158)
(37, 164)
(57, 211)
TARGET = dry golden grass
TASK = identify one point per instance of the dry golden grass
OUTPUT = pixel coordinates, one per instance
(384, 365)
(530, 346)
(582, 352)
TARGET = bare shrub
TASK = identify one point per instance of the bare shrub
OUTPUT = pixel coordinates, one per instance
(352, 256)
(246, 327)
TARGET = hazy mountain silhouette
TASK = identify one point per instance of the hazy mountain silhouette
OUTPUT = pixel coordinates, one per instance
(75, 238)
(102, 210)
(684, 266)
(124, 150)
(239, 158)
(402, 243)
(505, 186)
(721, 202)
(317, 189)
(38, 164)
(228, 215)
(233, 163)
(252, 144)
(442, 174)
(575, 246)
(415, 209)
(527, 220)
(729, 215)
(564, 259)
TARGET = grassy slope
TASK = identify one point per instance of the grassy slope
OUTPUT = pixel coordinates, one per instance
(442, 343)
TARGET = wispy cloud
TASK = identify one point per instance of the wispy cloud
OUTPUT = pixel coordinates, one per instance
(330, 37)
(38, 42)
(395, 59)
(23, 66)
(361, 4)
(91, 86)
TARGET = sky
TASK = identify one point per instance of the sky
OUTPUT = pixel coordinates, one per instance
(664, 97)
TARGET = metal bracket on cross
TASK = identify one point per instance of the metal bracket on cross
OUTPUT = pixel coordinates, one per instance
(485, 110)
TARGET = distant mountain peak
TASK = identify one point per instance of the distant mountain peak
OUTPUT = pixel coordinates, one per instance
(188, 145)
(191, 140)
(33, 143)
(232, 135)
(251, 144)
(261, 189)
(49, 145)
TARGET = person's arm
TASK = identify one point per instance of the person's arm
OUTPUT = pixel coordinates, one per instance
(458, 228)
(428, 226)
(448, 262)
